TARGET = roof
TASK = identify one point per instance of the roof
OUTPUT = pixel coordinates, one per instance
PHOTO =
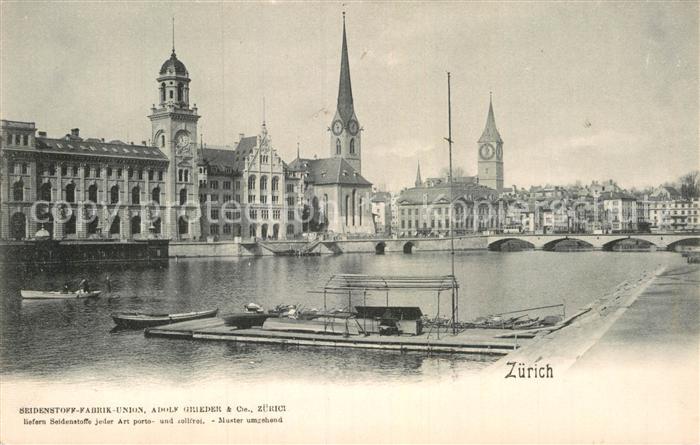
(381, 197)
(95, 147)
(490, 133)
(442, 193)
(345, 103)
(329, 171)
(220, 158)
(173, 66)
(378, 282)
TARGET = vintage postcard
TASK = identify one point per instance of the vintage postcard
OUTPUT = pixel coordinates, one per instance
(359, 222)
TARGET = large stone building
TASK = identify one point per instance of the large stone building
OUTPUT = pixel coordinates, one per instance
(77, 188)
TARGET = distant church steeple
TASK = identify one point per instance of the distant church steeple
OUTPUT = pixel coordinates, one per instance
(491, 153)
(345, 141)
(419, 180)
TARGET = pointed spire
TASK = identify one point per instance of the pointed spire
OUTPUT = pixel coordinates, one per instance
(490, 133)
(419, 180)
(345, 105)
(298, 156)
(173, 35)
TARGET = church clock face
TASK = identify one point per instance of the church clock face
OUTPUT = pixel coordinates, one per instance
(337, 127)
(353, 127)
(486, 151)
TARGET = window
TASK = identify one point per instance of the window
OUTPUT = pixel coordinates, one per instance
(276, 214)
(150, 175)
(263, 183)
(92, 193)
(74, 169)
(18, 191)
(214, 229)
(25, 139)
(45, 192)
(275, 183)
(290, 188)
(213, 185)
(52, 169)
(109, 172)
(352, 146)
(64, 170)
(179, 175)
(136, 195)
(263, 199)
(114, 194)
(337, 146)
(140, 174)
(253, 214)
(187, 176)
(214, 197)
(227, 198)
(24, 169)
(238, 185)
(227, 229)
(119, 173)
(227, 185)
(179, 92)
(183, 196)
(162, 137)
(171, 94)
(275, 199)
(160, 175)
(162, 97)
(70, 192)
(155, 195)
(265, 214)
(130, 173)
(237, 198)
(251, 182)
(215, 213)
(251, 199)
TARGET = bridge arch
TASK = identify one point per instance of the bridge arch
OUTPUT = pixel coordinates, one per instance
(498, 245)
(628, 243)
(408, 247)
(567, 244)
(691, 241)
(379, 248)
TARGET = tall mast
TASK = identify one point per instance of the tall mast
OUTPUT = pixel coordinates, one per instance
(451, 208)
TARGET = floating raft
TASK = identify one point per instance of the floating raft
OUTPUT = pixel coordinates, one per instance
(472, 341)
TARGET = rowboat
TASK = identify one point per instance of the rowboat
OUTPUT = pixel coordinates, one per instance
(139, 320)
(50, 295)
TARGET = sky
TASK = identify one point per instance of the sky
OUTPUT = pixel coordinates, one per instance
(628, 69)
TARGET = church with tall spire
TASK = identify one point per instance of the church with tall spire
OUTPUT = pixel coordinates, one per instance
(490, 146)
(345, 139)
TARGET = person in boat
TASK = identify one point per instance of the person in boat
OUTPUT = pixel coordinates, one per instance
(66, 289)
(84, 285)
(108, 284)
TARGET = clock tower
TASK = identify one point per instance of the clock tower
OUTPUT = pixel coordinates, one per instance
(174, 132)
(345, 129)
(491, 154)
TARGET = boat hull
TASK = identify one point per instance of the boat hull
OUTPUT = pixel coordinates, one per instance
(134, 320)
(47, 295)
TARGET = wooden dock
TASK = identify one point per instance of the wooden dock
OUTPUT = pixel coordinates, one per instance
(471, 341)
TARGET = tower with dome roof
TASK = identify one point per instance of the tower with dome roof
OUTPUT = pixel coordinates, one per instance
(174, 132)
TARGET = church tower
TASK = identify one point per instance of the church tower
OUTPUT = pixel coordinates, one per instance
(345, 130)
(491, 154)
(174, 132)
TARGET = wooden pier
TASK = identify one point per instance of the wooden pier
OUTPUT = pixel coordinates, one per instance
(471, 341)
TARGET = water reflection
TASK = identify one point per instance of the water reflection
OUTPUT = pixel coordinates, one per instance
(72, 339)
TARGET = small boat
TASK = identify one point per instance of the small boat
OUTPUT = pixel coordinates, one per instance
(139, 320)
(246, 320)
(52, 295)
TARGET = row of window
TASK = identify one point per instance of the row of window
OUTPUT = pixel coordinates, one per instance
(50, 169)
(338, 145)
(18, 139)
(70, 192)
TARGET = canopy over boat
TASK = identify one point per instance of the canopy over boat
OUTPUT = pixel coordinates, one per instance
(387, 282)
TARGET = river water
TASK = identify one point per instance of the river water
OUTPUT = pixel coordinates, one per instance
(71, 340)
